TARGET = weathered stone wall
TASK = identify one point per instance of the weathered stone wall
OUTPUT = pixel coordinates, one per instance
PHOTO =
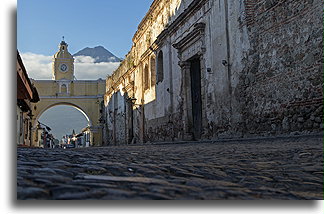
(260, 64)
(109, 121)
(130, 76)
(116, 120)
(280, 88)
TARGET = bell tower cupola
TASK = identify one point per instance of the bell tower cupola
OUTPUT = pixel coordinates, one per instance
(62, 66)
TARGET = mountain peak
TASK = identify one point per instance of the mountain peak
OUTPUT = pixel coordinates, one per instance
(99, 47)
(99, 53)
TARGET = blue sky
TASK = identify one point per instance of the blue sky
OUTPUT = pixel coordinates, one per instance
(84, 23)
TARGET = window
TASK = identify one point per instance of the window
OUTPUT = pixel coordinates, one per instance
(153, 71)
(146, 78)
(160, 67)
(63, 89)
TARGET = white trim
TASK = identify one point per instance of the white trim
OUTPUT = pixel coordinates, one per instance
(67, 85)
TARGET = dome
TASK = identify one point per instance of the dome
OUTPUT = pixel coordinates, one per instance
(63, 54)
(63, 51)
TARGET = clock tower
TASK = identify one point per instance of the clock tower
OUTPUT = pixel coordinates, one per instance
(62, 66)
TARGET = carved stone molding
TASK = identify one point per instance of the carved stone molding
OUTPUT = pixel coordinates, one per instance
(193, 36)
(194, 6)
(192, 44)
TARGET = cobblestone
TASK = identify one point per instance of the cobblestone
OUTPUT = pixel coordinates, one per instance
(290, 168)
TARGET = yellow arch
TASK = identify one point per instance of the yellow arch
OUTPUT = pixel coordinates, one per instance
(62, 103)
(84, 95)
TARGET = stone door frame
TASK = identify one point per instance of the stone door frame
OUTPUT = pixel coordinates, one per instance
(190, 47)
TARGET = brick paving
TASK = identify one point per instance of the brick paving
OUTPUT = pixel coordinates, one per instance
(290, 168)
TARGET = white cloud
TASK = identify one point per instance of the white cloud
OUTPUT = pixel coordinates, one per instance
(84, 59)
(85, 68)
(37, 66)
(40, 67)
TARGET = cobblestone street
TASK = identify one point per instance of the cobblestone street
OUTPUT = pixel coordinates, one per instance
(290, 168)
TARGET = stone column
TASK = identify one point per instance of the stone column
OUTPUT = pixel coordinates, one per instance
(204, 121)
(186, 96)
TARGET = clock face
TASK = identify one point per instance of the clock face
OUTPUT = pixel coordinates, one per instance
(63, 67)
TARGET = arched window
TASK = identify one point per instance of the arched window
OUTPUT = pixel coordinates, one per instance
(160, 67)
(153, 71)
(63, 89)
(146, 78)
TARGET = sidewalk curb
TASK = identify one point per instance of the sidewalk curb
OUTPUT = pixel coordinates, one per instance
(253, 139)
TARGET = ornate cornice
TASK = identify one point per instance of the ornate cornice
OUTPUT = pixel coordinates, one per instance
(146, 54)
(193, 36)
(182, 18)
(187, 13)
(147, 18)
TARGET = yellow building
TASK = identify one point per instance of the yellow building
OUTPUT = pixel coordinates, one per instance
(63, 67)
(63, 89)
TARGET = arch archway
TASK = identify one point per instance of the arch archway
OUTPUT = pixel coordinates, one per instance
(84, 95)
(88, 108)
(43, 110)
(63, 119)
(65, 122)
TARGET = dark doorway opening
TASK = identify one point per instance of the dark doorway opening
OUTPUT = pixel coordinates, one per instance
(195, 77)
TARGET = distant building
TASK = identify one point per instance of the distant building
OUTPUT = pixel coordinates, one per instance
(79, 140)
(39, 141)
(26, 94)
(43, 138)
(86, 136)
(63, 141)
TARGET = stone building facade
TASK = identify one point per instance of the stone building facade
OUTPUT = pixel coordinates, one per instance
(207, 69)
